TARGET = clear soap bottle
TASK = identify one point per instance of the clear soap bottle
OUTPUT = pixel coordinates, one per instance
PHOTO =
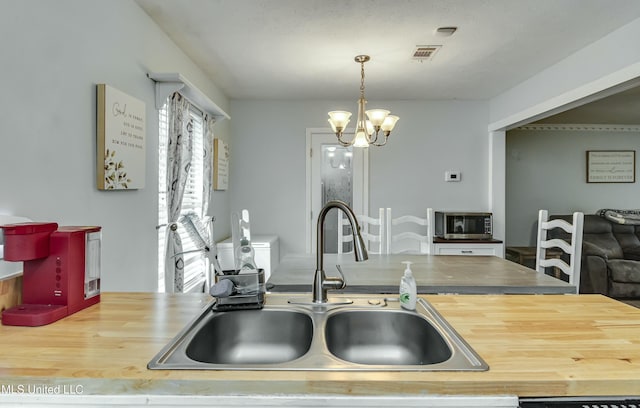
(408, 290)
(245, 262)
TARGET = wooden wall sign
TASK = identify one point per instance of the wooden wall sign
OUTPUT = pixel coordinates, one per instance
(121, 140)
(220, 165)
(611, 166)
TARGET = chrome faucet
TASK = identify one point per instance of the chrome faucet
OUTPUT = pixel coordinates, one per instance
(322, 283)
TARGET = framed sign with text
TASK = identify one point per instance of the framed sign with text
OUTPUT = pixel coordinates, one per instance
(121, 140)
(611, 166)
(220, 165)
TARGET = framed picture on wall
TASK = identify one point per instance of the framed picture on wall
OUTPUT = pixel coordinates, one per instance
(120, 140)
(611, 166)
(220, 165)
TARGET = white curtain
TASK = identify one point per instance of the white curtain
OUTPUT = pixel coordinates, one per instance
(179, 150)
(208, 121)
(207, 187)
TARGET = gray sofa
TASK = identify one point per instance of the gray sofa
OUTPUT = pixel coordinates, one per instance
(610, 257)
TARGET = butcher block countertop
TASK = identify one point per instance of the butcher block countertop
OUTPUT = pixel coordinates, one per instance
(535, 345)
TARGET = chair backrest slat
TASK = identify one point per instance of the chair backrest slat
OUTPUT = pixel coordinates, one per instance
(414, 242)
(373, 237)
(573, 248)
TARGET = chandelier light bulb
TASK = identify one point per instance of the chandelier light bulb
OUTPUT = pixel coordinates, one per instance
(361, 139)
(339, 120)
(389, 123)
(370, 128)
(377, 116)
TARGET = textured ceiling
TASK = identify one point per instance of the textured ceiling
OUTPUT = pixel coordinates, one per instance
(304, 49)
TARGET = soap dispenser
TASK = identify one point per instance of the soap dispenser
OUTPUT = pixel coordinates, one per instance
(243, 251)
(408, 290)
(245, 262)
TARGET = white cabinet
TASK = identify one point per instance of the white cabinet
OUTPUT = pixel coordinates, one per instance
(267, 253)
(470, 249)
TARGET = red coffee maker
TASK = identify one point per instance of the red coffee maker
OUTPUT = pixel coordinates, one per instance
(61, 272)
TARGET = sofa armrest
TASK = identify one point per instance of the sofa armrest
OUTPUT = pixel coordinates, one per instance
(594, 275)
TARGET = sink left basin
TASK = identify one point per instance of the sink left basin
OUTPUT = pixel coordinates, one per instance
(265, 338)
(252, 337)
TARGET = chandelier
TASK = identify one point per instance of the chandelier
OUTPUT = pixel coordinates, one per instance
(368, 131)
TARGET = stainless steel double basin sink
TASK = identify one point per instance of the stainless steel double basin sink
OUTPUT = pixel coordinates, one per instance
(368, 334)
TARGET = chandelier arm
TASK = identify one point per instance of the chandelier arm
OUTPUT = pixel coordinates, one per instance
(386, 137)
(341, 141)
(375, 138)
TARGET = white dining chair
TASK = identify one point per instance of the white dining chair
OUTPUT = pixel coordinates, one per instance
(573, 247)
(371, 229)
(409, 233)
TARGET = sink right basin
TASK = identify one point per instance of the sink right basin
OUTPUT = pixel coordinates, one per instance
(384, 338)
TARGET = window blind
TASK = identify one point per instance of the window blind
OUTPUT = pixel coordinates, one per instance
(191, 202)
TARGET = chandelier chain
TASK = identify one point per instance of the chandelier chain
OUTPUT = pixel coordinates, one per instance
(362, 79)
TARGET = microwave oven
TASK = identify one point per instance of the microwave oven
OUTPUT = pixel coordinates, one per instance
(463, 225)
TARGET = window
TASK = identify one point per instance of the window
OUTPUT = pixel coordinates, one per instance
(191, 202)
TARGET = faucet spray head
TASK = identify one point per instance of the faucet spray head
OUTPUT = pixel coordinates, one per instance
(360, 250)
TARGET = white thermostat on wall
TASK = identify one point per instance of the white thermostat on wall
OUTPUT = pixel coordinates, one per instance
(452, 176)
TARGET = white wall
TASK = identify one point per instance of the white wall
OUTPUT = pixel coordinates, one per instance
(268, 160)
(53, 55)
(546, 169)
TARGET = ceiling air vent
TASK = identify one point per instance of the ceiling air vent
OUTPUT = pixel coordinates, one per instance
(425, 52)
